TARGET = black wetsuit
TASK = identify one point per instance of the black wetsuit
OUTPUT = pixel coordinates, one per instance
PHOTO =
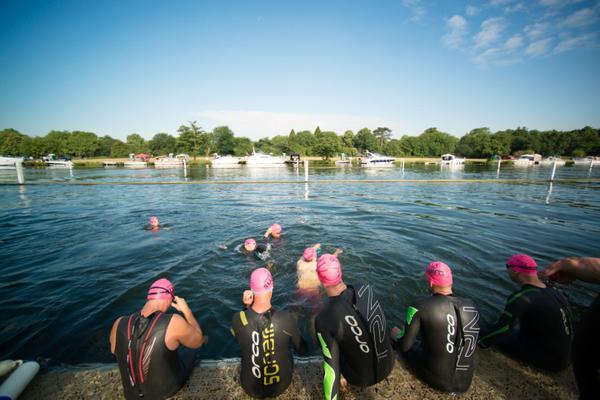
(449, 327)
(148, 367)
(544, 333)
(354, 338)
(264, 339)
(586, 352)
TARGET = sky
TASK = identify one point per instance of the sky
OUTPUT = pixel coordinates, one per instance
(266, 67)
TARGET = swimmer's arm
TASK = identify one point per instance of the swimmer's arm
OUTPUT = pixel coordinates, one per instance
(412, 326)
(113, 335)
(586, 269)
(298, 341)
(331, 365)
(186, 330)
(506, 322)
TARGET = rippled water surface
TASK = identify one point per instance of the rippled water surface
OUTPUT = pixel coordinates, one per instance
(74, 257)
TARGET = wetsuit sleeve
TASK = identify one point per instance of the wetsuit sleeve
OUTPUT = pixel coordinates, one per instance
(511, 314)
(331, 363)
(411, 329)
(292, 330)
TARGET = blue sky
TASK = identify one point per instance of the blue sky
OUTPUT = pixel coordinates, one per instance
(265, 67)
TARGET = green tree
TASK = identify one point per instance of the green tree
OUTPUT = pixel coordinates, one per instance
(11, 142)
(191, 139)
(82, 144)
(137, 143)
(104, 146)
(306, 141)
(436, 143)
(383, 135)
(120, 149)
(265, 145)
(348, 143)
(243, 146)
(224, 139)
(365, 140)
(162, 143)
(328, 144)
(57, 142)
(281, 144)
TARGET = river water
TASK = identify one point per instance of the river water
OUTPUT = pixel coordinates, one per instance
(74, 257)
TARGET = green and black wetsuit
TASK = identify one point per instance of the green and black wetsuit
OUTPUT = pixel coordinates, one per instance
(535, 327)
(449, 328)
(354, 339)
(586, 353)
(264, 339)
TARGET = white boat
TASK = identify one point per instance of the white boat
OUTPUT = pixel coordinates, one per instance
(343, 161)
(227, 161)
(586, 161)
(451, 159)
(260, 159)
(170, 161)
(60, 164)
(527, 160)
(551, 160)
(136, 161)
(376, 160)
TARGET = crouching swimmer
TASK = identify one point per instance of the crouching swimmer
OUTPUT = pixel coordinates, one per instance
(156, 351)
(352, 332)
(449, 327)
(264, 335)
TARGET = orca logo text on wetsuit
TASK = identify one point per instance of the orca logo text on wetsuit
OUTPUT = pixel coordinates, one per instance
(376, 321)
(451, 332)
(270, 368)
(357, 333)
(470, 334)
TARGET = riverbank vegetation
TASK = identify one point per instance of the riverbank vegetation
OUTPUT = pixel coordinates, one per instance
(193, 140)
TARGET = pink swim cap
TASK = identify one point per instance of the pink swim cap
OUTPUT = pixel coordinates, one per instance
(276, 228)
(161, 289)
(329, 270)
(261, 281)
(522, 263)
(309, 254)
(438, 274)
(250, 241)
(153, 220)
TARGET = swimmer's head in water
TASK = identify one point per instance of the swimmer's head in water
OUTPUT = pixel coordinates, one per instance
(161, 289)
(276, 230)
(310, 253)
(261, 281)
(329, 270)
(438, 274)
(153, 220)
(250, 244)
(522, 263)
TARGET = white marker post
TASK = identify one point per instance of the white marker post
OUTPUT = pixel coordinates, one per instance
(305, 170)
(591, 165)
(19, 168)
(184, 168)
(498, 169)
(402, 166)
(553, 171)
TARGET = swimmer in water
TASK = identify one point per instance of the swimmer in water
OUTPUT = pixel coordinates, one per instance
(306, 268)
(260, 251)
(154, 224)
(448, 326)
(265, 336)
(274, 231)
(535, 326)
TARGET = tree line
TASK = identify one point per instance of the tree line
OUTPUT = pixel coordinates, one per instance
(193, 140)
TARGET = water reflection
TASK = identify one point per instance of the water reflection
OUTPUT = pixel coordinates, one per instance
(549, 193)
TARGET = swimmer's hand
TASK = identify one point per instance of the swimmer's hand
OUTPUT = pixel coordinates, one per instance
(343, 384)
(337, 252)
(560, 271)
(180, 305)
(395, 332)
(248, 298)
(222, 247)
(268, 232)
(316, 246)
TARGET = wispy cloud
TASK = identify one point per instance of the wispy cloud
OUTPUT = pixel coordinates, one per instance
(557, 3)
(491, 30)
(417, 9)
(538, 48)
(471, 10)
(581, 18)
(257, 124)
(517, 7)
(536, 30)
(457, 29)
(514, 42)
(583, 40)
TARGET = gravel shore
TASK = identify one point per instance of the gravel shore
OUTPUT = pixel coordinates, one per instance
(497, 377)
